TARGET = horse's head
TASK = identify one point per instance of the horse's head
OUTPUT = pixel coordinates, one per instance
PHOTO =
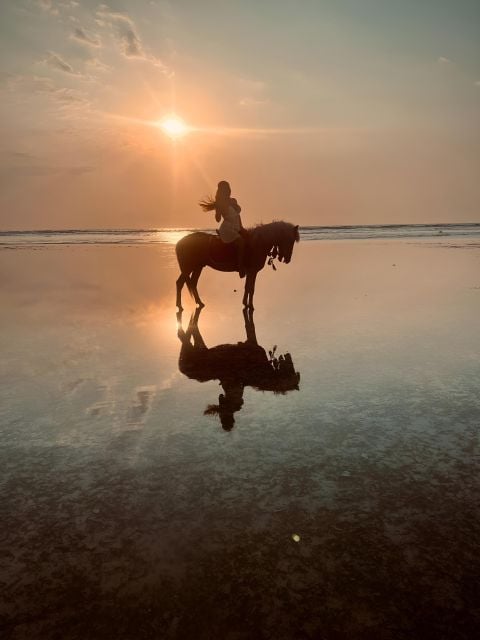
(289, 236)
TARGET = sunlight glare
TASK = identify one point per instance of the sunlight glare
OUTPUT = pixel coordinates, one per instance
(174, 127)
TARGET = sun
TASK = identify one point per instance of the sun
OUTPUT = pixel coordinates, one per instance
(174, 127)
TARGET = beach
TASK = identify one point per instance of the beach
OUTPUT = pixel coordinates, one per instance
(343, 506)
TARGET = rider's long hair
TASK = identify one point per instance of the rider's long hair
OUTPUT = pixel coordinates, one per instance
(221, 197)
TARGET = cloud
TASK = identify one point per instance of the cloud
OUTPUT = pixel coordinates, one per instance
(443, 60)
(127, 38)
(84, 38)
(48, 6)
(477, 83)
(28, 170)
(30, 84)
(16, 164)
(252, 86)
(56, 62)
(40, 85)
(252, 92)
(6, 78)
(97, 65)
(124, 31)
(21, 155)
(131, 45)
(251, 102)
(69, 96)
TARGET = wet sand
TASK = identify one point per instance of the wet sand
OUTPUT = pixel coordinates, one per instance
(348, 508)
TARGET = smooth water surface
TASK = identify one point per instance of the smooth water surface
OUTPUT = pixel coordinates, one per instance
(346, 508)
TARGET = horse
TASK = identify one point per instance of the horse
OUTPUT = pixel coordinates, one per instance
(236, 366)
(199, 250)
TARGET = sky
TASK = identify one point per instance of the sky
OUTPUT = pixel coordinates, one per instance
(319, 112)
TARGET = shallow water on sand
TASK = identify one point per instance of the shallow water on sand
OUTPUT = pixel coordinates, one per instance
(346, 508)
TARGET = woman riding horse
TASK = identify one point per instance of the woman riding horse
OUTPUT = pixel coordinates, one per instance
(231, 230)
(197, 250)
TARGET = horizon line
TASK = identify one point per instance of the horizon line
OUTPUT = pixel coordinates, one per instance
(191, 228)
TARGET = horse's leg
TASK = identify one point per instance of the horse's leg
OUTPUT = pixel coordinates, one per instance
(180, 282)
(249, 326)
(249, 289)
(179, 323)
(193, 285)
(252, 289)
(198, 341)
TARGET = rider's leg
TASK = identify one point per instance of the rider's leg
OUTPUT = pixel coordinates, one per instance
(240, 242)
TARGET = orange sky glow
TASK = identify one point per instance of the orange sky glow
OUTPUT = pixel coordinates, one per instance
(315, 116)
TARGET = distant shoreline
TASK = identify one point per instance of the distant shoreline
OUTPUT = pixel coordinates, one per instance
(190, 229)
(30, 239)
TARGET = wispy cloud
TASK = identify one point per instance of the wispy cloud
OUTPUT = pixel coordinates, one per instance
(444, 60)
(34, 84)
(56, 62)
(7, 80)
(80, 35)
(19, 165)
(130, 44)
(48, 6)
(251, 102)
(97, 65)
(252, 92)
(42, 85)
(69, 96)
(127, 38)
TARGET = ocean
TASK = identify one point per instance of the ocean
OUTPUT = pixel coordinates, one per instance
(130, 237)
(307, 470)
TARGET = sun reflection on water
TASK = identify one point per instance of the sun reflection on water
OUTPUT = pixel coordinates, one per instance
(171, 237)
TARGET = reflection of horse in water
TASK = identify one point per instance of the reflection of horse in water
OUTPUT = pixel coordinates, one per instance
(198, 250)
(237, 366)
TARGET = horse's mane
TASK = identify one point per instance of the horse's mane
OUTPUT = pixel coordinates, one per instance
(274, 231)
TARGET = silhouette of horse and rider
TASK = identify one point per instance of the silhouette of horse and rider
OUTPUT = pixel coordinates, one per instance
(233, 249)
(236, 366)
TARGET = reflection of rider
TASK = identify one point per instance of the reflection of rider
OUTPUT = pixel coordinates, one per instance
(228, 403)
(231, 229)
(236, 366)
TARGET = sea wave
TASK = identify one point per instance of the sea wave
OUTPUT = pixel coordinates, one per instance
(128, 237)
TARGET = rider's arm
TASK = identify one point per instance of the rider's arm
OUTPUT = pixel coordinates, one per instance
(235, 205)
